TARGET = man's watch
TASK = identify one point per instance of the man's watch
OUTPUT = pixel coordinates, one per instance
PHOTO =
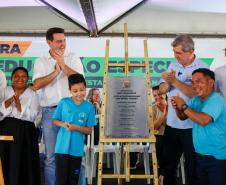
(184, 107)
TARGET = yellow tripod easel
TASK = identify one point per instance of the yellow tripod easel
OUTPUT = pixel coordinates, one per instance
(151, 139)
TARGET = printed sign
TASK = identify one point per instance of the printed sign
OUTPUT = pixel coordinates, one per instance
(13, 54)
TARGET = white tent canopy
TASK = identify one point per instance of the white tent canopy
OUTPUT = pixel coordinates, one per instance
(202, 17)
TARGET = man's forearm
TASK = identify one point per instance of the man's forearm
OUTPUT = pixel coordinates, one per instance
(85, 130)
(67, 70)
(159, 122)
(44, 81)
(181, 115)
(164, 87)
(198, 117)
(184, 88)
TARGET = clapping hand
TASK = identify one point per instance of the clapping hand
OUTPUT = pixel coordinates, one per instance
(177, 102)
(57, 68)
(58, 55)
(169, 77)
(96, 106)
(16, 99)
(165, 104)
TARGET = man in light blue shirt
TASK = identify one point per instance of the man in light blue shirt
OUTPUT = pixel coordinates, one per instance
(178, 134)
(207, 111)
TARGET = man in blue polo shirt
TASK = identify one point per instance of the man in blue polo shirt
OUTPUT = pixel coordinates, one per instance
(178, 134)
(207, 111)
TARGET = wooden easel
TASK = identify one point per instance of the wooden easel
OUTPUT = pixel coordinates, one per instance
(126, 141)
(3, 138)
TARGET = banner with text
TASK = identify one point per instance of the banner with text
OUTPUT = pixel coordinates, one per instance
(94, 67)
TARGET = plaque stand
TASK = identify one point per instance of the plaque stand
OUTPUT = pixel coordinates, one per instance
(126, 141)
(3, 138)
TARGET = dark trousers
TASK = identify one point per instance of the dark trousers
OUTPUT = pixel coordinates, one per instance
(176, 142)
(210, 170)
(160, 151)
(67, 169)
(20, 158)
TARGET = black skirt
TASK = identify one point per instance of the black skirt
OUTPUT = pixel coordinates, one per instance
(20, 158)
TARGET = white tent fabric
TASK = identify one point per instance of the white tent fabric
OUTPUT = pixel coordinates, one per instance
(204, 17)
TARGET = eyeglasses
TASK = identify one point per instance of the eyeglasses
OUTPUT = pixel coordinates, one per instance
(95, 95)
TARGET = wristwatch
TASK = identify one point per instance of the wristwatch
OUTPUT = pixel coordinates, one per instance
(184, 107)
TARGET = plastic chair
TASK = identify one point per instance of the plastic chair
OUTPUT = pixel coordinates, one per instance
(144, 149)
(94, 149)
(181, 169)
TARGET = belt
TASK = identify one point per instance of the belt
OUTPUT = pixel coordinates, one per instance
(51, 107)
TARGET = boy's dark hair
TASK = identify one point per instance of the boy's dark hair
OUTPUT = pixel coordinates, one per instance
(51, 31)
(205, 72)
(19, 68)
(155, 88)
(75, 79)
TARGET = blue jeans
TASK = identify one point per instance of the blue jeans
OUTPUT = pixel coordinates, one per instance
(211, 171)
(82, 175)
(49, 134)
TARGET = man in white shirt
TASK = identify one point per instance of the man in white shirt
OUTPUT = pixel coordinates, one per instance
(220, 83)
(51, 77)
(2, 84)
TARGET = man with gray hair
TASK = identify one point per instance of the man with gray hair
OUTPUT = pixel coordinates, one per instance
(178, 134)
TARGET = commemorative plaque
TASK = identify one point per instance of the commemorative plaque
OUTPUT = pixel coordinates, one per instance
(126, 107)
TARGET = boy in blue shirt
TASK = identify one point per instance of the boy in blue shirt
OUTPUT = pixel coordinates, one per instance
(75, 117)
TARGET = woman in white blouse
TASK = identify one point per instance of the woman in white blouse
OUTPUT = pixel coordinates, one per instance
(18, 111)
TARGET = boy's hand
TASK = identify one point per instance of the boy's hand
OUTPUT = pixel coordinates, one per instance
(65, 125)
(71, 127)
